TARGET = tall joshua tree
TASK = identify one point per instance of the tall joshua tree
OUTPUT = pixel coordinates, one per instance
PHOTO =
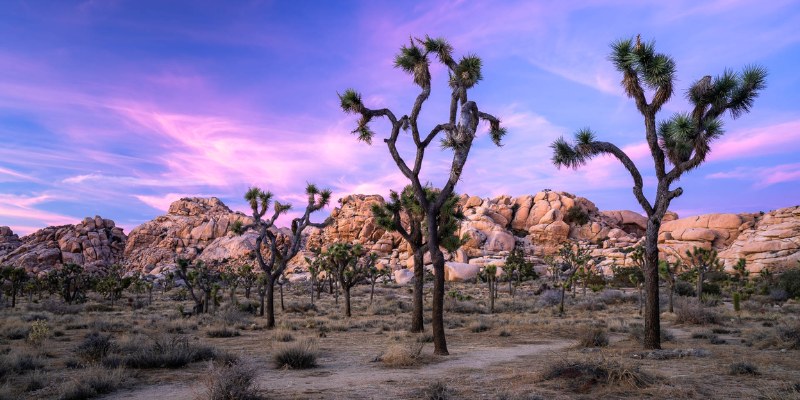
(403, 214)
(281, 249)
(683, 141)
(459, 132)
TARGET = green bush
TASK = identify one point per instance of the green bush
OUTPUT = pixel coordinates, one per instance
(576, 215)
(790, 282)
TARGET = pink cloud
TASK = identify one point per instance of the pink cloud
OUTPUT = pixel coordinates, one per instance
(763, 176)
(771, 139)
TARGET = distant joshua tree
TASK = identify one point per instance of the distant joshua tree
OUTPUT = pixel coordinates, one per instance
(702, 262)
(459, 132)
(684, 140)
(280, 251)
(404, 214)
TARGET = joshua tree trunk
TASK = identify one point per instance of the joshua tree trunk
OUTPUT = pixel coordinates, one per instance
(563, 294)
(437, 258)
(671, 295)
(417, 324)
(492, 290)
(700, 277)
(346, 301)
(270, 304)
(282, 306)
(652, 310)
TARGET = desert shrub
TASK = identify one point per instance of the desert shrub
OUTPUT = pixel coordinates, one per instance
(94, 347)
(249, 307)
(462, 306)
(612, 296)
(300, 308)
(57, 307)
(586, 374)
(710, 300)
(714, 339)
(683, 288)
(790, 282)
(479, 326)
(550, 298)
(19, 363)
(576, 215)
(504, 333)
(222, 333)
(689, 311)
(91, 383)
(437, 391)
(778, 295)
(742, 368)
(231, 381)
(38, 333)
(592, 336)
(282, 336)
(401, 354)
(162, 352)
(35, 381)
(299, 355)
(591, 305)
(34, 317)
(15, 331)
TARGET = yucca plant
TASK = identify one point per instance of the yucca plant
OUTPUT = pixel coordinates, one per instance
(677, 144)
(455, 134)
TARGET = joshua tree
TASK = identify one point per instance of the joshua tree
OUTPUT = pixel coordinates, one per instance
(231, 278)
(404, 209)
(374, 273)
(315, 267)
(518, 267)
(668, 271)
(16, 277)
(113, 283)
(572, 259)
(247, 278)
(490, 272)
(70, 282)
(636, 276)
(683, 140)
(199, 277)
(459, 132)
(349, 268)
(281, 248)
(703, 261)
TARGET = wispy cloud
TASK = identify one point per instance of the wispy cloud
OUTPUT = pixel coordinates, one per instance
(762, 176)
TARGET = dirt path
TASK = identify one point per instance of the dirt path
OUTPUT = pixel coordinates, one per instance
(353, 377)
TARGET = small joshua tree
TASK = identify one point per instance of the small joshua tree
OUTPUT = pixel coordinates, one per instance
(350, 269)
(231, 278)
(199, 281)
(459, 132)
(703, 261)
(517, 266)
(70, 282)
(280, 248)
(247, 278)
(404, 214)
(374, 273)
(573, 257)
(668, 272)
(113, 284)
(684, 140)
(490, 273)
(16, 278)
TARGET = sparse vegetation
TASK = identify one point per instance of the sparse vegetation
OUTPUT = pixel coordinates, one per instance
(297, 355)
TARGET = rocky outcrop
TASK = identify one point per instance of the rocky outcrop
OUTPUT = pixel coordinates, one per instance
(769, 241)
(95, 243)
(188, 228)
(9, 241)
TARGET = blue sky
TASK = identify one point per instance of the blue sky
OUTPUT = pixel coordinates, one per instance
(118, 108)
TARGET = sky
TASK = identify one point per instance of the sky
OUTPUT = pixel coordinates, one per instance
(118, 108)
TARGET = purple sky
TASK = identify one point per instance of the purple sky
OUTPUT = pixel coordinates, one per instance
(118, 108)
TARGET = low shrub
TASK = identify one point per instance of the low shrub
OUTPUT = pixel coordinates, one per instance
(94, 347)
(689, 311)
(742, 368)
(437, 391)
(636, 332)
(92, 382)
(550, 298)
(19, 363)
(161, 352)
(683, 288)
(222, 333)
(479, 326)
(789, 281)
(282, 336)
(586, 374)
(38, 333)
(401, 355)
(592, 336)
(230, 381)
(299, 355)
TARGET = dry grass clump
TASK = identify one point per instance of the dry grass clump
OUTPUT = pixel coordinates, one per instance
(94, 347)
(743, 368)
(636, 332)
(92, 382)
(231, 381)
(19, 363)
(592, 336)
(582, 376)
(282, 335)
(781, 337)
(690, 311)
(401, 355)
(298, 355)
(437, 391)
(223, 332)
(164, 351)
(479, 326)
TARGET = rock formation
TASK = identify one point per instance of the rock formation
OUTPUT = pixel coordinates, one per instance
(769, 241)
(95, 243)
(190, 225)
(9, 241)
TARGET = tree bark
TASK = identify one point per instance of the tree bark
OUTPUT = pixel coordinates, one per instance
(700, 278)
(346, 290)
(437, 258)
(270, 304)
(652, 323)
(417, 324)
